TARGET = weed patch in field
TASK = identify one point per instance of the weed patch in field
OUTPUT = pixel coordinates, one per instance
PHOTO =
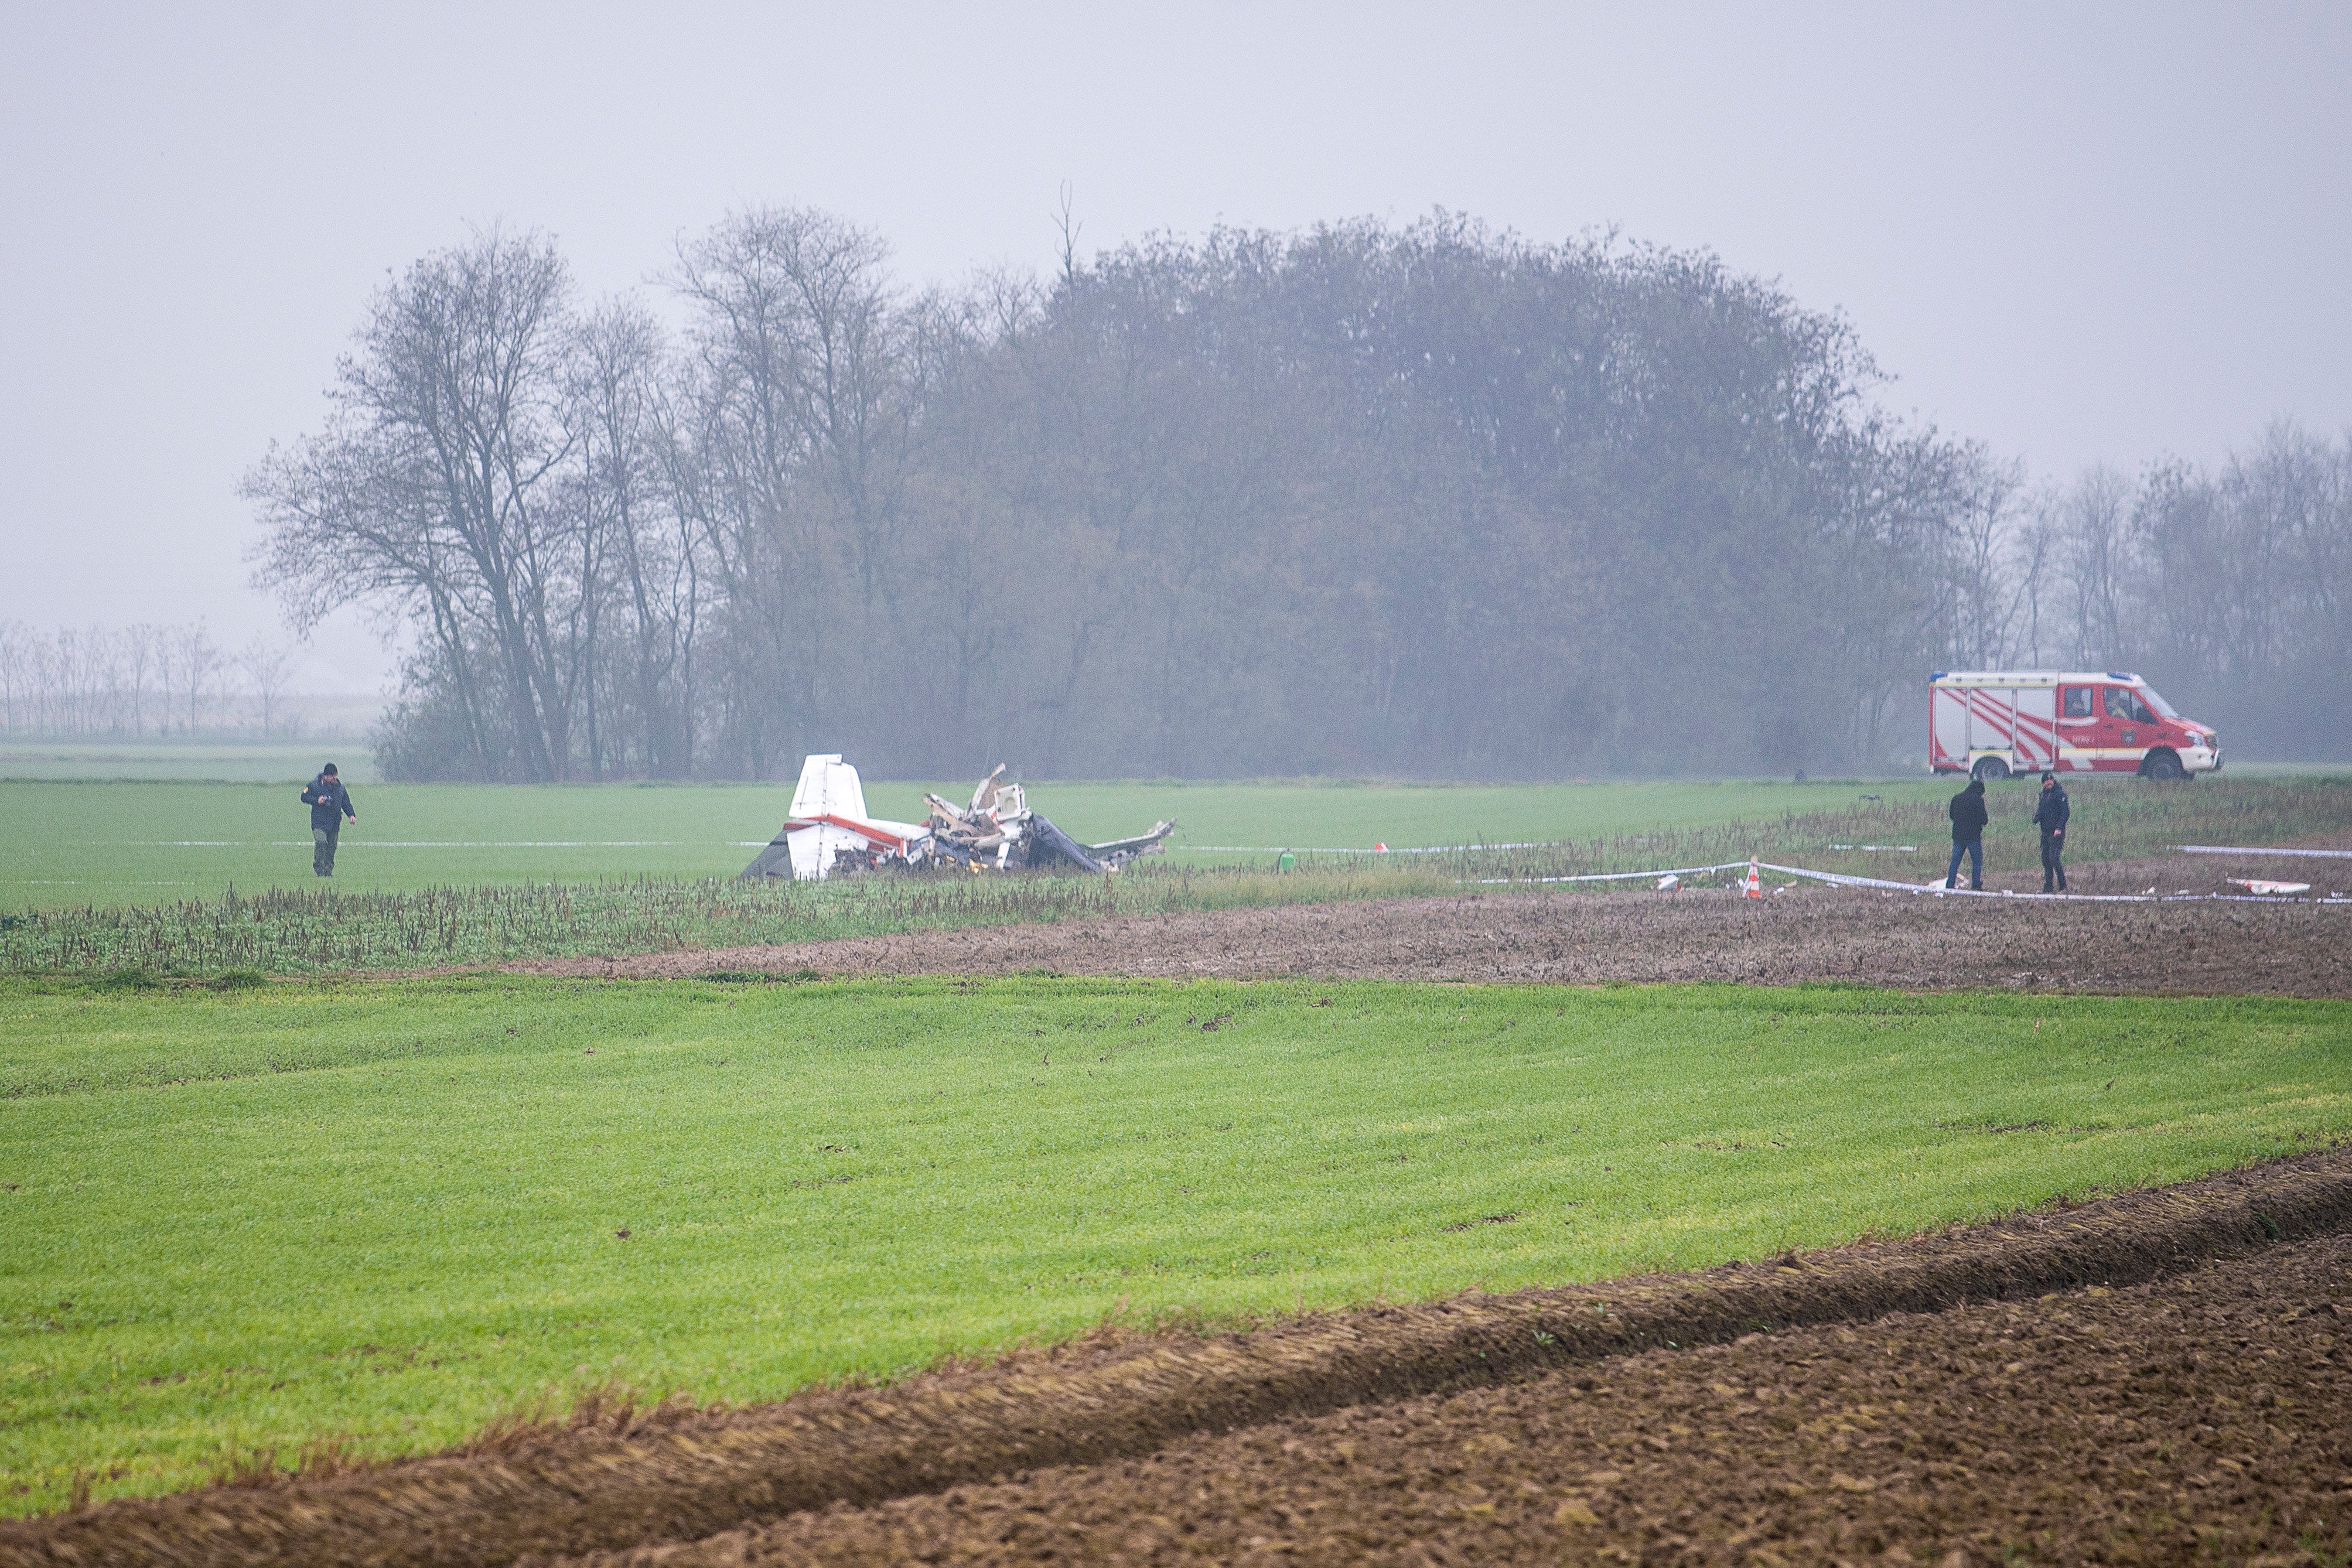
(329, 930)
(314, 929)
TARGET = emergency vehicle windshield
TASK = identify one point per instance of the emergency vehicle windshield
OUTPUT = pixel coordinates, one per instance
(2158, 703)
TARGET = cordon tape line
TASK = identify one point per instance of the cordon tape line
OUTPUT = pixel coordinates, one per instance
(416, 844)
(1420, 850)
(1611, 875)
(1938, 891)
(1931, 889)
(2230, 850)
(1941, 892)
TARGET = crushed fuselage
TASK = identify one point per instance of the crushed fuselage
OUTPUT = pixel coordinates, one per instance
(829, 832)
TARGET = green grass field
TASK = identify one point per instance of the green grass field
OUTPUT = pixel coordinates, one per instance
(244, 762)
(69, 844)
(234, 1222)
(76, 845)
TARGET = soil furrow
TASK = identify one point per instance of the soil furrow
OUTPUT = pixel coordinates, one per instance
(572, 1491)
(2206, 1417)
(1863, 937)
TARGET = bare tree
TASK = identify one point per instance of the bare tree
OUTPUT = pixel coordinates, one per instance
(436, 485)
(2034, 550)
(1989, 522)
(88, 681)
(2095, 519)
(798, 429)
(268, 670)
(144, 647)
(639, 544)
(19, 676)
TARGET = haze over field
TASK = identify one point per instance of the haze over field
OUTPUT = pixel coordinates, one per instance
(2110, 237)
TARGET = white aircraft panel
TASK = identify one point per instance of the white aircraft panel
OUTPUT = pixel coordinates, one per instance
(812, 849)
(828, 788)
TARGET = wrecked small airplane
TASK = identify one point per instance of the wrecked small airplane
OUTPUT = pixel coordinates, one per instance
(828, 823)
(829, 834)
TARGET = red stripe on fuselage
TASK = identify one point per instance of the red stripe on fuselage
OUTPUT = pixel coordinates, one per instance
(863, 829)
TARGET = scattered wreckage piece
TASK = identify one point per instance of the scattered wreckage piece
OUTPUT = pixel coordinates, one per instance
(829, 832)
(997, 828)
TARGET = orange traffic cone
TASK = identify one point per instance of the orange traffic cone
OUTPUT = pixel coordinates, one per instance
(1754, 886)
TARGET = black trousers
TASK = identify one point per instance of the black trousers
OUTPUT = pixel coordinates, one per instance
(2053, 845)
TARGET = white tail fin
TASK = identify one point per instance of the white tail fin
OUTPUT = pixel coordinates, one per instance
(828, 788)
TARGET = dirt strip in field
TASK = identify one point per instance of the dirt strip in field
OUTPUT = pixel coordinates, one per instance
(2206, 1417)
(1911, 941)
(620, 1485)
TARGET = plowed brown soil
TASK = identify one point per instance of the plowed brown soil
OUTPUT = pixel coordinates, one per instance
(2203, 1418)
(715, 1477)
(1912, 941)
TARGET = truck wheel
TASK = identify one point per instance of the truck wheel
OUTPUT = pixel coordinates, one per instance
(1991, 769)
(2164, 767)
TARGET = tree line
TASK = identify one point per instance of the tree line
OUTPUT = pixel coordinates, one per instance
(2228, 585)
(141, 680)
(1427, 501)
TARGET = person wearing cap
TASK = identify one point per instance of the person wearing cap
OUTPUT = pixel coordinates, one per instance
(330, 803)
(1969, 818)
(2050, 815)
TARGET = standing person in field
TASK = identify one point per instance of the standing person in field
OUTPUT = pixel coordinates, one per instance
(330, 803)
(2050, 815)
(1969, 819)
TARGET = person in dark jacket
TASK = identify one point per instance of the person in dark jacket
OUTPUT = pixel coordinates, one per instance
(2050, 815)
(330, 803)
(1969, 819)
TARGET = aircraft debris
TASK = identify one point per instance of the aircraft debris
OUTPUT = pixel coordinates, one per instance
(828, 833)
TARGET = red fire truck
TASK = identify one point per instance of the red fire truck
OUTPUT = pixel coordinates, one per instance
(1992, 724)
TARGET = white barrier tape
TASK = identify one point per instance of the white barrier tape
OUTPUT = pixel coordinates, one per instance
(2247, 898)
(496, 843)
(2229, 850)
(1930, 890)
(1939, 891)
(418, 844)
(1614, 876)
(1422, 849)
(1842, 880)
(1933, 889)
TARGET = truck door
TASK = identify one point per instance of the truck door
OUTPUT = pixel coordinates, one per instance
(1948, 726)
(1993, 718)
(2078, 724)
(2127, 726)
(2037, 726)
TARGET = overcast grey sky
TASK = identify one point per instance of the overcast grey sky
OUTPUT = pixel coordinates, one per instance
(2080, 232)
